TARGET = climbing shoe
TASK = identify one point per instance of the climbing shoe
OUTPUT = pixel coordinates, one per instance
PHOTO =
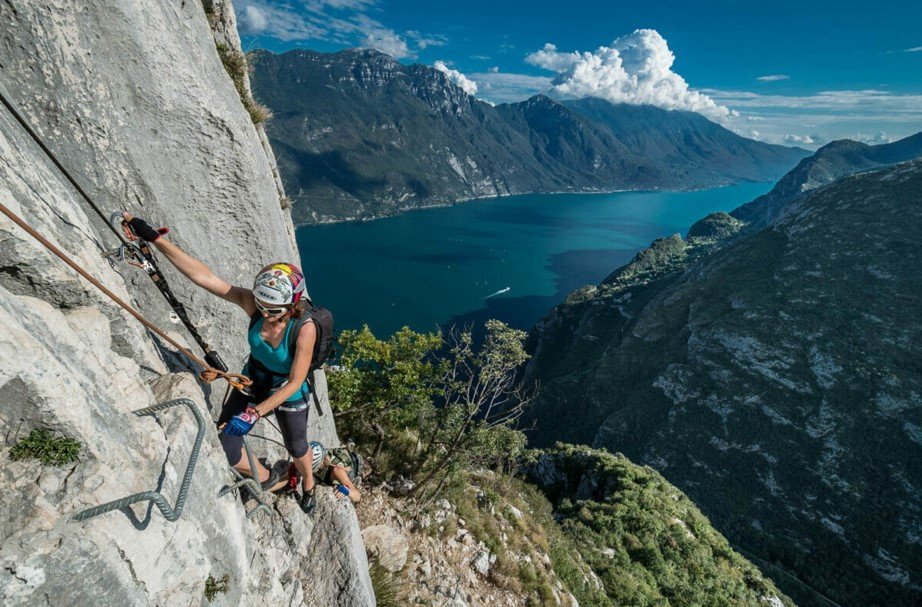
(307, 502)
(276, 478)
(272, 481)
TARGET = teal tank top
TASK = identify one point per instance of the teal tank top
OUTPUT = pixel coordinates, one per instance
(278, 360)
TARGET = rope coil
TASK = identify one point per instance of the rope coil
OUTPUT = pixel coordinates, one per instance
(209, 374)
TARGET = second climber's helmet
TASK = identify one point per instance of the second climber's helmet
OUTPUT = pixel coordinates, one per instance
(280, 284)
(318, 453)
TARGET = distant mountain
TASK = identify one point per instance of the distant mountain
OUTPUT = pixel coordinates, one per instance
(773, 375)
(696, 150)
(829, 163)
(358, 135)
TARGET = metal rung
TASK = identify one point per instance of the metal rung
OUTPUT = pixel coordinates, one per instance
(243, 481)
(170, 513)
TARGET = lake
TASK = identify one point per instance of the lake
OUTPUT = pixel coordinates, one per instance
(511, 258)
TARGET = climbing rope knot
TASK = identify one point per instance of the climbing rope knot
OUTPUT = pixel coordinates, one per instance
(237, 380)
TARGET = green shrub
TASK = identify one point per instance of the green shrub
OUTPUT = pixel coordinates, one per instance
(213, 586)
(46, 447)
(429, 406)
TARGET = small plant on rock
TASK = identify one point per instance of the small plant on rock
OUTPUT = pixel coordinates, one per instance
(235, 63)
(48, 448)
(213, 586)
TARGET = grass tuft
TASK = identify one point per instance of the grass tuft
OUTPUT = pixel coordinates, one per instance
(46, 447)
(235, 64)
(389, 590)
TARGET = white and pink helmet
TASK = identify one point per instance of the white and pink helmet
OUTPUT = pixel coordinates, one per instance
(280, 284)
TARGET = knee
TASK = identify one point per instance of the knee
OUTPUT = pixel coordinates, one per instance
(233, 448)
(298, 448)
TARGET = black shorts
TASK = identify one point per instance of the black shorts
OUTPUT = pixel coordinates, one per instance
(292, 418)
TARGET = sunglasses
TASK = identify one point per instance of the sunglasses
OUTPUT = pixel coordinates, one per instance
(271, 310)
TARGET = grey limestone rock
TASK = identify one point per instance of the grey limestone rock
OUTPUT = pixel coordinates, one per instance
(134, 100)
(387, 545)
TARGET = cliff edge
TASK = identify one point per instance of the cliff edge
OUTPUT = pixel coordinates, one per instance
(135, 102)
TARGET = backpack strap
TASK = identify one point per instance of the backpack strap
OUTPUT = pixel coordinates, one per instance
(311, 375)
(306, 317)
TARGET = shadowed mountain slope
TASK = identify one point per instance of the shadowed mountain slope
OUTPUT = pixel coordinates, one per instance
(773, 377)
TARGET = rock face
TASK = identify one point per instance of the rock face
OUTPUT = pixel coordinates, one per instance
(387, 545)
(134, 101)
(772, 379)
(360, 135)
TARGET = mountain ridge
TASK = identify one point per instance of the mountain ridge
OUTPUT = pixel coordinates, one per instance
(832, 161)
(748, 366)
(359, 135)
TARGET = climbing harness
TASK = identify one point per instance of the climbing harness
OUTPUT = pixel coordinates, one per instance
(134, 254)
(170, 513)
(209, 373)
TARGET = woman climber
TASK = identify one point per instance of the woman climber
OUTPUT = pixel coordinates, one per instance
(279, 374)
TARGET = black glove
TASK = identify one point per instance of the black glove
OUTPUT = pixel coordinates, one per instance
(144, 230)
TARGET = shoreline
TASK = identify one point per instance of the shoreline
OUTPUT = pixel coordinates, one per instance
(441, 205)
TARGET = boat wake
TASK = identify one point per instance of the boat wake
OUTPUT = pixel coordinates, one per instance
(500, 292)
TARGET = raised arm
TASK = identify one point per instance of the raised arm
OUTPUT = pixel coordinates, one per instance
(193, 269)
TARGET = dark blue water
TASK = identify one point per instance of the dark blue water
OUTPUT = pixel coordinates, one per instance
(438, 266)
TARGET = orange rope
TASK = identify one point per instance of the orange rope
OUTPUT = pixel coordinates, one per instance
(209, 373)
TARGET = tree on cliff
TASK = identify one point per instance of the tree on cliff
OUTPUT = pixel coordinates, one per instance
(432, 404)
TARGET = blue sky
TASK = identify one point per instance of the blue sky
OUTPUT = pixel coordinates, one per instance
(787, 72)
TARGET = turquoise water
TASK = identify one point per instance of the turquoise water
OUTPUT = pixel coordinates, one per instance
(434, 267)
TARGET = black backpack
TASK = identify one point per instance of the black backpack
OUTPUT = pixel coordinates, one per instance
(323, 347)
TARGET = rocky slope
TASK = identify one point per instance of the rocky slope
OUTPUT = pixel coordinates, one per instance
(772, 377)
(589, 529)
(829, 163)
(136, 103)
(360, 135)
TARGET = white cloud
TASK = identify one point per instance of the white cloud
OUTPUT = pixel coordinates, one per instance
(799, 139)
(462, 81)
(259, 18)
(876, 139)
(773, 78)
(387, 41)
(501, 87)
(344, 22)
(825, 115)
(636, 69)
(494, 69)
(424, 41)
(254, 19)
(480, 57)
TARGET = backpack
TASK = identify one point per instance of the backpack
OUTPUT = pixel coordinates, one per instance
(323, 346)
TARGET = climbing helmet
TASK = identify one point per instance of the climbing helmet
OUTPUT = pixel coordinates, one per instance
(279, 285)
(318, 454)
